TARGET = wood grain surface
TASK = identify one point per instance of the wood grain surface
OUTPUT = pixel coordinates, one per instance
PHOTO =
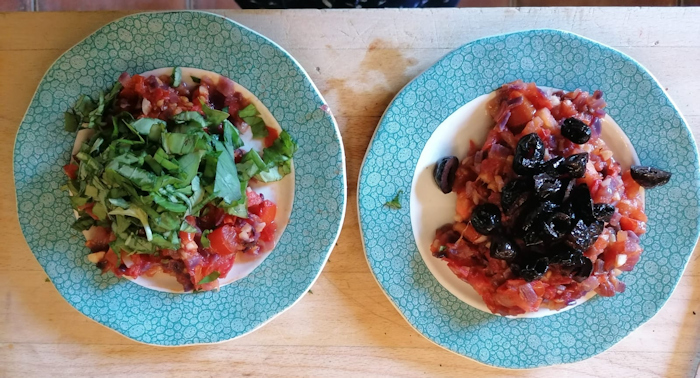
(346, 327)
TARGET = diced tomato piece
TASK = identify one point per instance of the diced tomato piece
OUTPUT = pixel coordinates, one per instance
(230, 219)
(143, 265)
(71, 171)
(272, 135)
(223, 240)
(521, 114)
(536, 97)
(99, 238)
(87, 208)
(471, 234)
(254, 198)
(629, 224)
(268, 233)
(267, 211)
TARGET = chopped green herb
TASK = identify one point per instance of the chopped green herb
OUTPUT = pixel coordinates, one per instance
(214, 117)
(210, 278)
(205, 240)
(47, 279)
(395, 203)
(176, 77)
(195, 79)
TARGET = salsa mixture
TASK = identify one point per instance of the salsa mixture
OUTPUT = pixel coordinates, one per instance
(161, 184)
(544, 213)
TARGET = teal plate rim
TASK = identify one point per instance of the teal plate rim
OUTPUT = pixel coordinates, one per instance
(557, 59)
(145, 41)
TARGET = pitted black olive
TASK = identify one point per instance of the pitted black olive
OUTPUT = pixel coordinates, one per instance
(529, 155)
(583, 270)
(546, 186)
(603, 211)
(532, 220)
(486, 218)
(575, 130)
(503, 248)
(552, 166)
(557, 226)
(596, 228)
(444, 173)
(515, 191)
(649, 177)
(532, 269)
(580, 237)
(567, 187)
(582, 204)
(574, 165)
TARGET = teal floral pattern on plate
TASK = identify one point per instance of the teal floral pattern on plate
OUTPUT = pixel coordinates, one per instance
(555, 59)
(144, 42)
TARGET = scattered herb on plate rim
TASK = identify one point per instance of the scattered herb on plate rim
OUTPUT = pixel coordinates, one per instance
(395, 203)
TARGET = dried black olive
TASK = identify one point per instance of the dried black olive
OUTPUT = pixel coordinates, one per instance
(531, 220)
(567, 187)
(649, 177)
(444, 173)
(595, 229)
(486, 218)
(529, 155)
(603, 211)
(546, 186)
(582, 204)
(574, 166)
(514, 191)
(502, 248)
(583, 270)
(532, 269)
(557, 226)
(552, 166)
(533, 239)
(580, 237)
(575, 130)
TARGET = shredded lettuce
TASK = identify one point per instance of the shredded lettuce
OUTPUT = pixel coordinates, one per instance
(141, 177)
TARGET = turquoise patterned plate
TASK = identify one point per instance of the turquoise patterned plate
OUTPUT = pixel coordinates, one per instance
(555, 59)
(140, 43)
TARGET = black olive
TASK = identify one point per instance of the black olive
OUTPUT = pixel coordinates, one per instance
(546, 186)
(444, 173)
(552, 166)
(582, 204)
(575, 130)
(486, 218)
(574, 166)
(532, 269)
(580, 237)
(533, 239)
(603, 211)
(531, 220)
(513, 191)
(595, 229)
(649, 177)
(557, 226)
(529, 155)
(567, 187)
(502, 248)
(583, 270)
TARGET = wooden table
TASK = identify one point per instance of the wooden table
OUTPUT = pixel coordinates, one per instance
(345, 326)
